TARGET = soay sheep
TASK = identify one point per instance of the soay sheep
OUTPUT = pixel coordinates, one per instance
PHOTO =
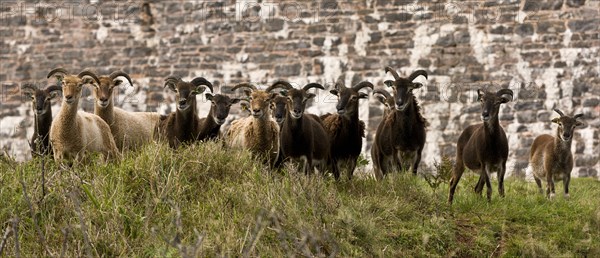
(345, 130)
(258, 133)
(550, 158)
(402, 132)
(183, 125)
(130, 130)
(303, 135)
(483, 147)
(42, 112)
(210, 126)
(73, 132)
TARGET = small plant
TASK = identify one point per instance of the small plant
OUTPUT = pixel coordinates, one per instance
(441, 173)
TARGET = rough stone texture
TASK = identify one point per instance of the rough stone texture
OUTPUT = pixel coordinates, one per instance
(546, 51)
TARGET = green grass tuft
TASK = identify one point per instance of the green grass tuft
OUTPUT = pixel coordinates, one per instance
(204, 200)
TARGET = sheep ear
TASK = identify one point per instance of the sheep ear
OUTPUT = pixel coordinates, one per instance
(234, 101)
(362, 95)
(117, 82)
(248, 92)
(579, 124)
(389, 83)
(283, 92)
(310, 96)
(54, 94)
(208, 96)
(416, 85)
(199, 89)
(245, 106)
(480, 94)
(334, 92)
(556, 120)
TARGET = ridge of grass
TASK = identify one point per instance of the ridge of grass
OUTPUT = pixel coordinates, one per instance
(204, 200)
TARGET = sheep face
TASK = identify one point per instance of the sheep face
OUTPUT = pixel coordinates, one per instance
(297, 102)
(259, 103)
(186, 91)
(103, 92)
(566, 126)
(71, 88)
(347, 100)
(220, 106)
(403, 92)
(279, 107)
(490, 102)
(41, 98)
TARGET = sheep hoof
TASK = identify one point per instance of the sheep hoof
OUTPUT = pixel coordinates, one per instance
(567, 196)
(551, 196)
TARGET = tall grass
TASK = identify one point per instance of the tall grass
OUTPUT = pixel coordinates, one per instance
(205, 200)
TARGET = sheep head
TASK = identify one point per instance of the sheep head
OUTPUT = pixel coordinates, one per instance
(403, 87)
(220, 106)
(103, 92)
(259, 100)
(491, 101)
(186, 91)
(297, 98)
(73, 84)
(41, 97)
(348, 97)
(278, 104)
(566, 125)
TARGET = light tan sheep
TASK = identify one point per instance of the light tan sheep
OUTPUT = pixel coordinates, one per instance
(74, 133)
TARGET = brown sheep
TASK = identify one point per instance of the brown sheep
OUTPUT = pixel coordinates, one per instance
(42, 108)
(550, 158)
(183, 125)
(483, 147)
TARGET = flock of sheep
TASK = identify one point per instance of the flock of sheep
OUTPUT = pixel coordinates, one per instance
(279, 129)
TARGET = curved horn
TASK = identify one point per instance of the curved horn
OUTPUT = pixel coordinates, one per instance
(416, 74)
(339, 83)
(505, 92)
(383, 92)
(171, 81)
(312, 85)
(90, 74)
(244, 85)
(57, 70)
(52, 88)
(394, 73)
(28, 86)
(578, 116)
(279, 84)
(363, 84)
(116, 74)
(559, 112)
(202, 81)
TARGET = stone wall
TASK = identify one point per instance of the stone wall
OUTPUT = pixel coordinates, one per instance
(546, 51)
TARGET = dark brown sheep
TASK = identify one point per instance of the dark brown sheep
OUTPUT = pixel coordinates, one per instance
(183, 125)
(344, 128)
(210, 126)
(550, 158)
(42, 113)
(402, 132)
(483, 147)
(303, 135)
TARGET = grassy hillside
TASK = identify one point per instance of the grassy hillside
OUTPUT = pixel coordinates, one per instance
(207, 201)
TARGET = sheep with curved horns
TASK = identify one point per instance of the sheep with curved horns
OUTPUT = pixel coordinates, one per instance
(550, 158)
(130, 130)
(258, 133)
(183, 125)
(73, 132)
(303, 136)
(42, 108)
(483, 147)
(385, 98)
(210, 126)
(345, 130)
(402, 132)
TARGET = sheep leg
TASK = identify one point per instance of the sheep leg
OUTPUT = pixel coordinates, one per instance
(539, 184)
(351, 168)
(416, 161)
(501, 178)
(566, 180)
(479, 185)
(488, 183)
(549, 186)
(457, 172)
